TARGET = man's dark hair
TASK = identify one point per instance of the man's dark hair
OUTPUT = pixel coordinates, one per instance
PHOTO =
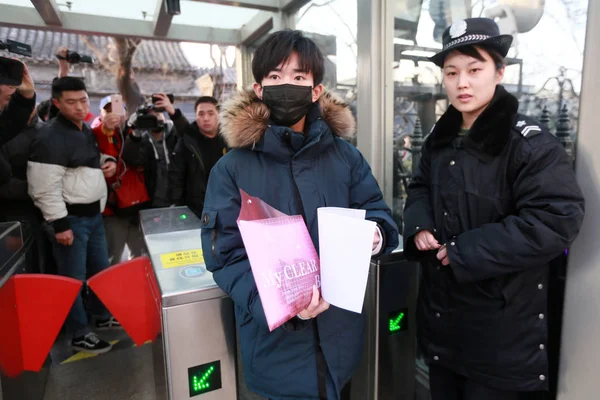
(474, 51)
(67, 84)
(278, 48)
(206, 99)
(43, 110)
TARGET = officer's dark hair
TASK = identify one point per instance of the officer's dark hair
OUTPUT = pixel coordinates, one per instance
(206, 99)
(278, 48)
(67, 84)
(475, 52)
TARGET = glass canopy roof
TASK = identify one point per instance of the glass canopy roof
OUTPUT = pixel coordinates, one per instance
(209, 21)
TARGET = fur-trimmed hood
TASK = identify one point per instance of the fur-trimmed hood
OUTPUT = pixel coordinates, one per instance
(244, 118)
(491, 130)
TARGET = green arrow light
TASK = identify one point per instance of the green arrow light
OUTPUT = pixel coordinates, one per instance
(397, 320)
(203, 382)
(204, 378)
(396, 323)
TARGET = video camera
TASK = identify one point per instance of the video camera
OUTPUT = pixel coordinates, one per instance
(76, 58)
(143, 120)
(12, 46)
(11, 71)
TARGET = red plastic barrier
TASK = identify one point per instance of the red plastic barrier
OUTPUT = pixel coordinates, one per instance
(130, 292)
(33, 308)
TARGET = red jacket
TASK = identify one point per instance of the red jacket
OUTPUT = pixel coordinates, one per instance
(109, 142)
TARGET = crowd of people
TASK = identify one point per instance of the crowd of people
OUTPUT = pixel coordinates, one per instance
(77, 181)
(492, 203)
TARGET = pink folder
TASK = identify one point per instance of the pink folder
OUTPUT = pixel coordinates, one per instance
(282, 256)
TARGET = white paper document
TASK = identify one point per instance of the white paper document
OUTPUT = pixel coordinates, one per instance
(345, 243)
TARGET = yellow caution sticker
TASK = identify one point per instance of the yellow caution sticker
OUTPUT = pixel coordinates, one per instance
(181, 258)
(82, 355)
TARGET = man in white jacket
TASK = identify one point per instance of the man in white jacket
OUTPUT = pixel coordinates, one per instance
(66, 178)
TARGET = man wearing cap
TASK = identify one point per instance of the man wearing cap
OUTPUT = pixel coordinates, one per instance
(492, 205)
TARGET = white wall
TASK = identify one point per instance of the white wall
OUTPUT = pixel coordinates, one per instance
(580, 353)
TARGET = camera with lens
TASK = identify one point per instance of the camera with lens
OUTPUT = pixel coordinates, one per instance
(75, 58)
(144, 120)
(11, 71)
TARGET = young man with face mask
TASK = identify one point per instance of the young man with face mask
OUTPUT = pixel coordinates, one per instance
(199, 149)
(288, 150)
(66, 178)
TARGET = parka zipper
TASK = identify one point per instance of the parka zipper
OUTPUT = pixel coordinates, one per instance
(297, 192)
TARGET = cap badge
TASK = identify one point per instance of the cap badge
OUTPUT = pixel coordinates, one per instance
(458, 28)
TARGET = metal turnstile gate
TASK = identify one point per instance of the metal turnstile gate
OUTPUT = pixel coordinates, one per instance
(389, 370)
(198, 330)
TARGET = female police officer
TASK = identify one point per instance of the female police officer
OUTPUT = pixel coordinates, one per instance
(493, 201)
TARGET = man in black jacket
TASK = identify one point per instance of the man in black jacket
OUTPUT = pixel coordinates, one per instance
(17, 101)
(199, 149)
(15, 203)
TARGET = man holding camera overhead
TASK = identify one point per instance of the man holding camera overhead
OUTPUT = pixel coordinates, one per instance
(17, 101)
(17, 98)
(149, 146)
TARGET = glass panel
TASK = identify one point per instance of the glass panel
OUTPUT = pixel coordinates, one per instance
(333, 25)
(192, 12)
(213, 15)
(22, 3)
(544, 72)
(136, 9)
(540, 74)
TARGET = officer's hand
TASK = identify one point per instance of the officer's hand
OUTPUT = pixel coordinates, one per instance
(442, 255)
(425, 241)
(317, 306)
(65, 238)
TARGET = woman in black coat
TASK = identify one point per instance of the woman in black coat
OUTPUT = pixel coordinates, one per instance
(493, 202)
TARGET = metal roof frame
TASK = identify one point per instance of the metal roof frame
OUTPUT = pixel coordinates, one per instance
(273, 15)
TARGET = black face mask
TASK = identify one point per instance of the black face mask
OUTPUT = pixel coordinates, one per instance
(288, 103)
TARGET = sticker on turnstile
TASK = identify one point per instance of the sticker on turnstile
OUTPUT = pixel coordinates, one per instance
(182, 258)
(192, 272)
(204, 378)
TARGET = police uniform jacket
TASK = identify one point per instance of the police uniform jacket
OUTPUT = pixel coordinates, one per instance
(505, 202)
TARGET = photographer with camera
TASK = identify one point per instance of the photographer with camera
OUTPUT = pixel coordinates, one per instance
(17, 98)
(17, 102)
(149, 145)
(199, 148)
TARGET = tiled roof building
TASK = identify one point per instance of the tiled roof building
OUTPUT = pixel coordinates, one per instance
(159, 66)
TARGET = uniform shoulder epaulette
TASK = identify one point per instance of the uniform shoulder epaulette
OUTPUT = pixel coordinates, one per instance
(527, 127)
